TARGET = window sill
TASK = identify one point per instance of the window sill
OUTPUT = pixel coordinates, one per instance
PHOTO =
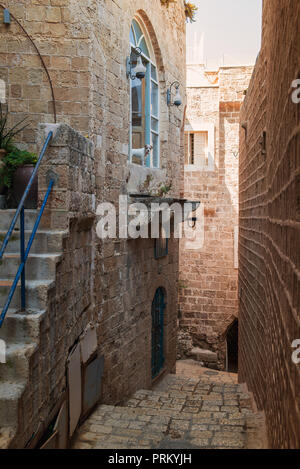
(135, 165)
(141, 179)
(193, 168)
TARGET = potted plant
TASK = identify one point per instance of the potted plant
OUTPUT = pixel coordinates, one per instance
(19, 166)
(7, 133)
(6, 136)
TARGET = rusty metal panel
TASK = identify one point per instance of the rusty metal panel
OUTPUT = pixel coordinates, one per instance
(74, 382)
(88, 344)
(92, 375)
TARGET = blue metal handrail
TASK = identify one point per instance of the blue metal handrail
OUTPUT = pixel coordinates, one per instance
(25, 253)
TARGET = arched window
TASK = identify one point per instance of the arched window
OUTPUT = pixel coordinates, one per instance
(144, 98)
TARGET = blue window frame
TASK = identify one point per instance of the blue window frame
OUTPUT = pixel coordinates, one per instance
(144, 104)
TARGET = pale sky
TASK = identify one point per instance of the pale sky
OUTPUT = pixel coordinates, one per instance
(231, 29)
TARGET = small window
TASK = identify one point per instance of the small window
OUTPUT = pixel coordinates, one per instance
(144, 124)
(200, 148)
(197, 149)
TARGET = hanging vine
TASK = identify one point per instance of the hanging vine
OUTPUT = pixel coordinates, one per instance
(190, 9)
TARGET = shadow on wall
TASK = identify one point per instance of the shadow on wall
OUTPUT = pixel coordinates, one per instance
(232, 340)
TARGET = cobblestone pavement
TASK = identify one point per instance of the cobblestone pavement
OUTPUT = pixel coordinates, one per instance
(193, 369)
(208, 410)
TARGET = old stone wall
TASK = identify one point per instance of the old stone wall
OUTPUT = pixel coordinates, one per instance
(84, 45)
(208, 275)
(69, 298)
(269, 227)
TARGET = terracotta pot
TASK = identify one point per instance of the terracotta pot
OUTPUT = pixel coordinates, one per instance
(20, 181)
(2, 186)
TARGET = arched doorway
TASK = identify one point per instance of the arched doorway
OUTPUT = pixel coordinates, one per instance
(158, 309)
(232, 340)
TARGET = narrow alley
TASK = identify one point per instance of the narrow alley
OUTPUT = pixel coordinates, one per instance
(150, 225)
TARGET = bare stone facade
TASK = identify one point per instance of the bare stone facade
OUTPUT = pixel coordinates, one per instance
(208, 275)
(107, 284)
(269, 226)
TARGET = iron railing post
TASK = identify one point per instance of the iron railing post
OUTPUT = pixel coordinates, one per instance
(27, 251)
(22, 251)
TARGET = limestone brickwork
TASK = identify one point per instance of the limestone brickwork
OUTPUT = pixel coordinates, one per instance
(84, 45)
(269, 227)
(208, 275)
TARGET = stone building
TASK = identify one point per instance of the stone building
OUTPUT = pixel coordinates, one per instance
(269, 299)
(83, 293)
(208, 301)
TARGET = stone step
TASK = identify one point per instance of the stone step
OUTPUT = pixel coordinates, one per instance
(6, 436)
(10, 393)
(205, 356)
(38, 266)
(140, 428)
(46, 241)
(21, 327)
(36, 294)
(6, 217)
(179, 413)
(16, 367)
(219, 403)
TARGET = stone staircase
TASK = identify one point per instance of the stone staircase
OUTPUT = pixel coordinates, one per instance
(21, 330)
(180, 413)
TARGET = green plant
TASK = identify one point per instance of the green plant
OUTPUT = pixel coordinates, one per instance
(190, 11)
(7, 134)
(14, 160)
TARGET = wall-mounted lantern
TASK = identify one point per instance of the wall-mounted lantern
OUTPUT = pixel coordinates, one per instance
(138, 69)
(192, 222)
(177, 98)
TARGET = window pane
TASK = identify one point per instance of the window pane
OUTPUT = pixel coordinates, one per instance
(138, 120)
(137, 102)
(154, 124)
(137, 29)
(153, 73)
(200, 149)
(154, 99)
(155, 144)
(144, 47)
(132, 38)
